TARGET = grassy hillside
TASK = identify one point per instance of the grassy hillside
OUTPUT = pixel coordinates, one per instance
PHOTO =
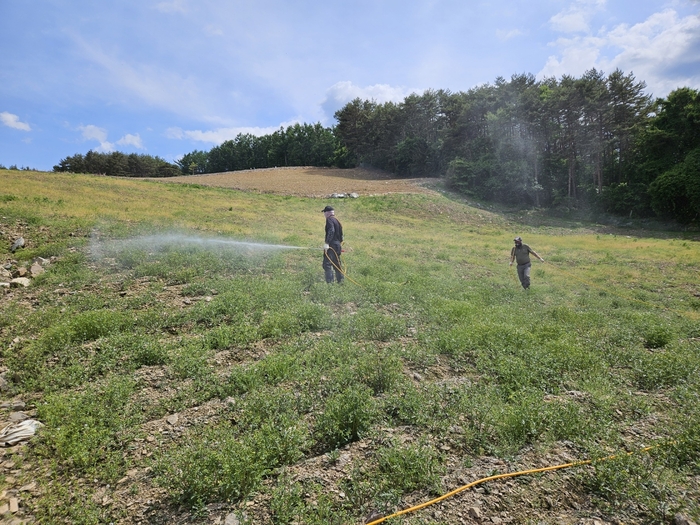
(182, 377)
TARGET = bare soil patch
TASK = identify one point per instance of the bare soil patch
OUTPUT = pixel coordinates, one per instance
(307, 181)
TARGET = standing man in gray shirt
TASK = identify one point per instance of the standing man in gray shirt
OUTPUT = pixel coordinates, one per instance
(332, 246)
(521, 252)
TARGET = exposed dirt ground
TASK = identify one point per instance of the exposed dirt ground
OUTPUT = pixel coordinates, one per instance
(307, 181)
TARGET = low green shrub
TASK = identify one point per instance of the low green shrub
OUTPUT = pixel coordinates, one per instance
(411, 466)
(216, 463)
(368, 324)
(89, 431)
(346, 416)
(665, 368)
(633, 485)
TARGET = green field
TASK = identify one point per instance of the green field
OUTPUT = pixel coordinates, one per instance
(183, 374)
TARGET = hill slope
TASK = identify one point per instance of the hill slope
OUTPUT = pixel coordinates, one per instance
(188, 361)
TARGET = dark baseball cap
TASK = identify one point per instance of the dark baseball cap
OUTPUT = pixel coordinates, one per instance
(327, 208)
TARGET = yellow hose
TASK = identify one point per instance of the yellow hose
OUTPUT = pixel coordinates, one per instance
(341, 270)
(501, 476)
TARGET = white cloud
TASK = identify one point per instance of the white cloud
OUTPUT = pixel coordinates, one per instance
(664, 51)
(174, 6)
(507, 35)
(131, 140)
(217, 136)
(153, 85)
(175, 133)
(91, 132)
(343, 92)
(213, 30)
(577, 17)
(12, 121)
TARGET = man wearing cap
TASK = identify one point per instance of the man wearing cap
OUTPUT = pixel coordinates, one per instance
(331, 246)
(521, 252)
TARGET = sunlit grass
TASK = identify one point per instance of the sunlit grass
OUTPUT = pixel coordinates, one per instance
(429, 354)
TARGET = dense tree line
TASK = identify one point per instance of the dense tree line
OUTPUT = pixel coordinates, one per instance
(592, 140)
(118, 164)
(298, 145)
(596, 141)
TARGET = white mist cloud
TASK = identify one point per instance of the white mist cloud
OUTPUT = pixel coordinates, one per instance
(174, 6)
(131, 140)
(508, 35)
(577, 17)
(155, 85)
(12, 121)
(343, 92)
(217, 136)
(663, 50)
(91, 132)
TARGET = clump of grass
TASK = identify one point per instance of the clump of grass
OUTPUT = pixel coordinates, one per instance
(411, 466)
(634, 485)
(665, 368)
(217, 463)
(346, 416)
(89, 431)
(368, 324)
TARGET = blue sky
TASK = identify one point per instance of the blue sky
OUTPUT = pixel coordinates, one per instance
(166, 77)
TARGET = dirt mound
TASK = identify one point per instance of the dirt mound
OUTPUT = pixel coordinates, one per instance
(307, 181)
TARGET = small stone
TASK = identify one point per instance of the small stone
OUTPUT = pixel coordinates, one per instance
(19, 243)
(680, 519)
(496, 520)
(36, 269)
(16, 417)
(4, 509)
(173, 419)
(232, 519)
(18, 405)
(14, 505)
(30, 487)
(417, 376)
(475, 513)
(19, 282)
(20, 272)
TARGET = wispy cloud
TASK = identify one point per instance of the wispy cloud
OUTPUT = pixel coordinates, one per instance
(504, 36)
(577, 17)
(12, 121)
(98, 134)
(663, 50)
(131, 140)
(217, 136)
(343, 92)
(174, 6)
(154, 86)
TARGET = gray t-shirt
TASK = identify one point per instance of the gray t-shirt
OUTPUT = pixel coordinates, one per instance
(521, 253)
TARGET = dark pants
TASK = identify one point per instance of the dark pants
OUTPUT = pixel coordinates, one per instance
(331, 263)
(524, 274)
